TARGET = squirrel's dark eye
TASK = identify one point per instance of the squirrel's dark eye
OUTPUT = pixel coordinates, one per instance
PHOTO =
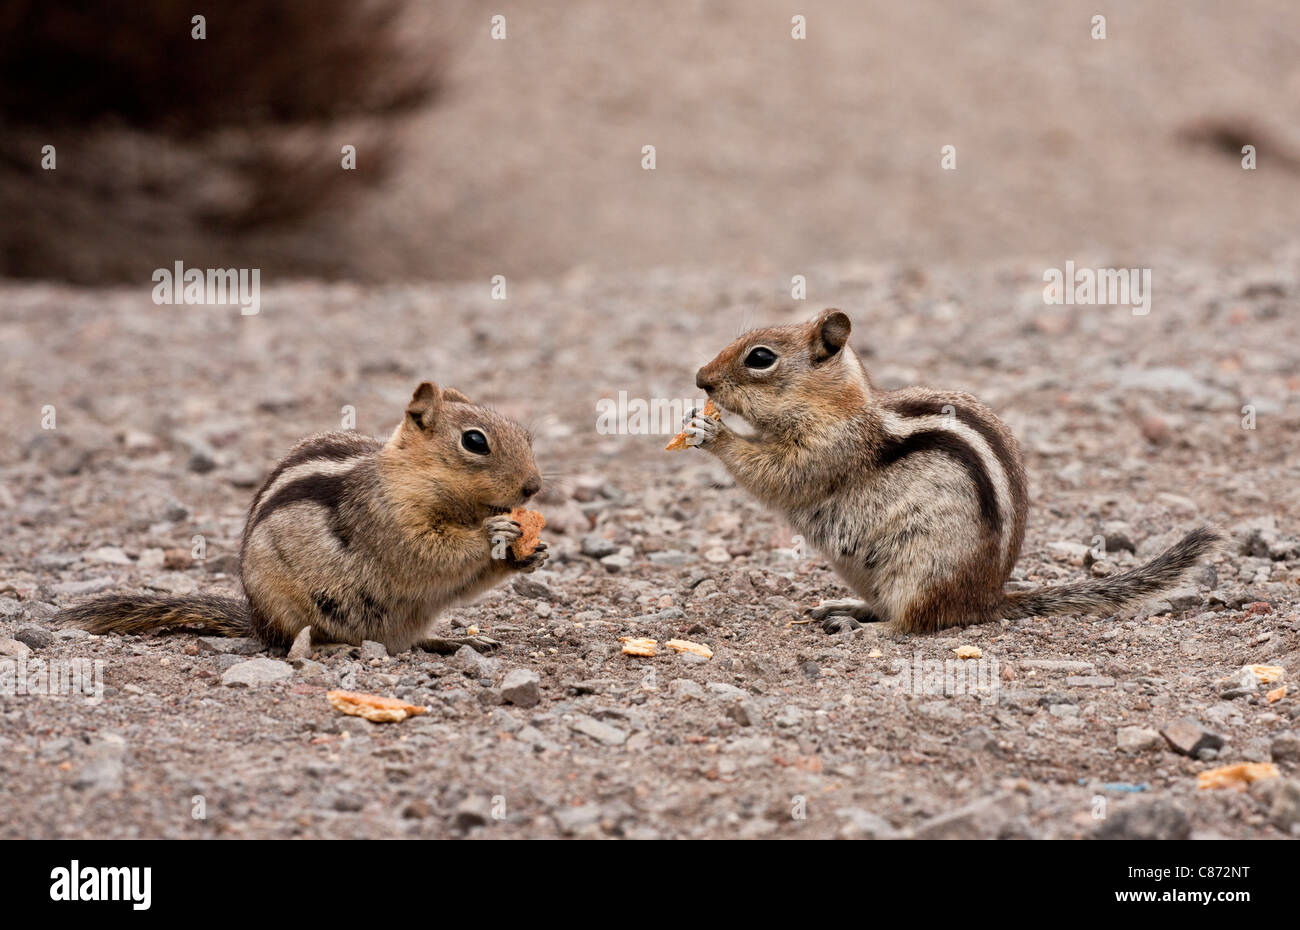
(761, 357)
(474, 441)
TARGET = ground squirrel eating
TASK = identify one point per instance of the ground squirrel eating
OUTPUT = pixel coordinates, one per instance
(917, 497)
(362, 539)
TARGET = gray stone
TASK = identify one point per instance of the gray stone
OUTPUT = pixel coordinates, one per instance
(597, 547)
(984, 818)
(863, 825)
(685, 688)
(502, 719)
(373, 650)
(1118, 536)
(1285, 811)
(1058, 665)
(244, 475)
(104, 765)
(1136, 739)
(1184, 598)
(980, 739)
(37, 611)
(301, 648)
(489, 696)
(34, 636)
(1188, 737)
(255, 672)
(76, 588)
(942, 709)
(353, 726)
(522, 687)
(722, 689)
(108, 555)
(1285, 747)
(1071, 552)
(1176, 381)
(760, 667)
(230, 645)
(348, 802)
(617, 562)
(575, 819)
(1240, 683)
(310, 671)
(1089, 681)
(601, 732)
(745, 713)
(1256, 537)
(530, 587)
(56, 561)
(13, 648)
(474, 662)
(223, 662)
(202, 458)
(1146, 820)
(537, 739)
(591, 685)
(790, 715)
(474, 811)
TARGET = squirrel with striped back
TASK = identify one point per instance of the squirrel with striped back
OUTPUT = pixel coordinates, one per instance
(917, 497)
(362, 539)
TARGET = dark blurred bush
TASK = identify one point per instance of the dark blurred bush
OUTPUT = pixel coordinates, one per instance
(165, 141)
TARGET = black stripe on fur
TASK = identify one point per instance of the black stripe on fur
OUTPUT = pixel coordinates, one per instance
(997, 445)
(326, 490)
(950, 444)
(331, 447)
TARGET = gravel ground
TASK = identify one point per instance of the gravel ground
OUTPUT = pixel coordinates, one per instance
(1133, 430)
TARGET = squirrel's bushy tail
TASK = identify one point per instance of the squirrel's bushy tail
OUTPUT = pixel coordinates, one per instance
(139, 613)
(1117, 591)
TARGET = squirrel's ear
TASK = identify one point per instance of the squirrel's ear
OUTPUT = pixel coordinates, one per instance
(426, 403)
(453, 396)
(830, 333)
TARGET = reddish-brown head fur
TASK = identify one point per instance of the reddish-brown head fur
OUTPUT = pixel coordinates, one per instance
(770, 375)
(451, 456)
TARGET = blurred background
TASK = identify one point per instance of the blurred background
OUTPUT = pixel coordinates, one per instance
(522, 156)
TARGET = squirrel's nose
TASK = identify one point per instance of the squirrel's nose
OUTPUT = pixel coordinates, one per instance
(532, 486)
(701, 382)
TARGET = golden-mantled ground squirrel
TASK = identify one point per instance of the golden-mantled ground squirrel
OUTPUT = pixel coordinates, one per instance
(362, 539)
(917, 497)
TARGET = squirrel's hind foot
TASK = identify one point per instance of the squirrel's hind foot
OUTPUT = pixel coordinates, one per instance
(840, 623)
(448, 645)
(841, 616)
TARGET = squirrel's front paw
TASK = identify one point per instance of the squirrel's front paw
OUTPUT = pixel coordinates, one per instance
(531, 562)
(700, 430)
(502, 531)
